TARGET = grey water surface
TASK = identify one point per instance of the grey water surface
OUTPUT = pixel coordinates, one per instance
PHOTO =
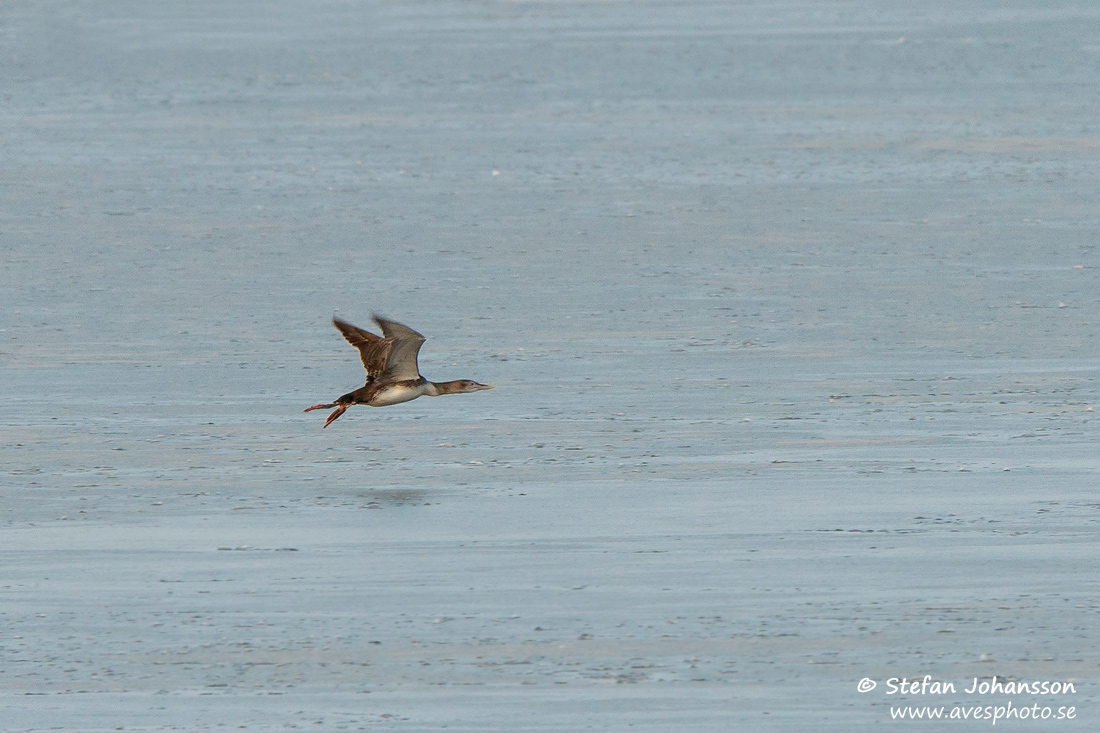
(791, 308)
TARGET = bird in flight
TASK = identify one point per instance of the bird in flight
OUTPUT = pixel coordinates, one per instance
(392, 372)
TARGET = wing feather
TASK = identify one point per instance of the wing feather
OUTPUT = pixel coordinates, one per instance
(373, 349)
(401, 359)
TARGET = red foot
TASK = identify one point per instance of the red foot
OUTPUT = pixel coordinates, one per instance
(335, 414)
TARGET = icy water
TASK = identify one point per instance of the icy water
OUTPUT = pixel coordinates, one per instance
(791, 309)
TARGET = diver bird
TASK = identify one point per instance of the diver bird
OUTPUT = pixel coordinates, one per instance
(392, 372)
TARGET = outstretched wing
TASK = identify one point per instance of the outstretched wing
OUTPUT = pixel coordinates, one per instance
(401, 359)
(373, 349)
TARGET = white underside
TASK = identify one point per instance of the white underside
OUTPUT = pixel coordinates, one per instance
(396, 395)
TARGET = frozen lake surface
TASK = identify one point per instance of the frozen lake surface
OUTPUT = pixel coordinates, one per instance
(792, 310)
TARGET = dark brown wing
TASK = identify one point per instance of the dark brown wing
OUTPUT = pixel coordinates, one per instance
(401, 359)
(373, 349)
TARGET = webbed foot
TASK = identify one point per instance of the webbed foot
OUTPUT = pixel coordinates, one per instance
(335, 414)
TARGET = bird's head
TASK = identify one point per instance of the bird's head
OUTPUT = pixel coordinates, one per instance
(462, 386)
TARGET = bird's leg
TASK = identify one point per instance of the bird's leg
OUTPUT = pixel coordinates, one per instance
(336, 413)
(341, 407)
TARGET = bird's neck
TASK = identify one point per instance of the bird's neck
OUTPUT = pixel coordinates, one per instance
(437, 388)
